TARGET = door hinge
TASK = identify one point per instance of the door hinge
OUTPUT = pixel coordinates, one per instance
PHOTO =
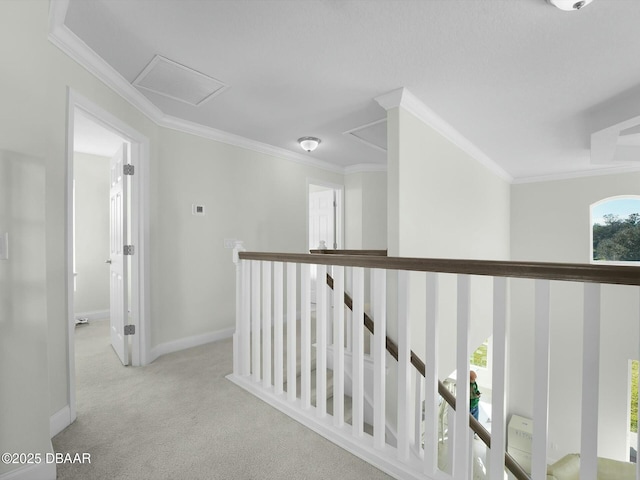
(129, 329)
(128, 250)
(128, 169)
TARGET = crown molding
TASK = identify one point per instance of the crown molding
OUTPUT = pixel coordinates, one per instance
(178, 124)
(577, 174)
(67, 41)
(365, 168)
(405, 99)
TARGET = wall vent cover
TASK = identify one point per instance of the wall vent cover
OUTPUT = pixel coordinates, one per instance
(170, 79)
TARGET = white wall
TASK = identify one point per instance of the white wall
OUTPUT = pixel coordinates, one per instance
(366, 210)
(91, 173)
(24, 394)
(442, 203)
(550, 222)
(248, 196)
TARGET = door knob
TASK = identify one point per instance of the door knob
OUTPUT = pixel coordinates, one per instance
(108, 261)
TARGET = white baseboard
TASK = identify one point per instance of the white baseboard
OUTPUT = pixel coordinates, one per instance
(41, 471)
(59, 421)
(94, 315)
(189, 342)
(384, 459)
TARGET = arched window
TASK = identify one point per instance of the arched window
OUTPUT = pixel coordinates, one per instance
(615, 230)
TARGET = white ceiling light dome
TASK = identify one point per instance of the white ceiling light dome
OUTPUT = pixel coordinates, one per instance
(309, 143)
(569, 5)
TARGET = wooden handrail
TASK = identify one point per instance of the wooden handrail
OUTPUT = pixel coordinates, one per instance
(572, 272)
(513, 466)
(379, 253)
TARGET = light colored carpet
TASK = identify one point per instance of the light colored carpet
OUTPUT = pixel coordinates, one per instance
(179, 418)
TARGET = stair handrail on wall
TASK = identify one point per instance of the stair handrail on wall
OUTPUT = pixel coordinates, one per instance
(260, 305)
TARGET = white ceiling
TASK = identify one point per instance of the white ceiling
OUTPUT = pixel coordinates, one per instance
(524, 82)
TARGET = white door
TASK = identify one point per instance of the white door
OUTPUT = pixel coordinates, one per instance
(118, 268)
(322, 219)
(321, 226)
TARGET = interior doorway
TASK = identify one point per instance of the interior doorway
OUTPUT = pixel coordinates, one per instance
(105, 133)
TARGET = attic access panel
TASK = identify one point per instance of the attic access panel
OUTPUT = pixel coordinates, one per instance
(173, 80)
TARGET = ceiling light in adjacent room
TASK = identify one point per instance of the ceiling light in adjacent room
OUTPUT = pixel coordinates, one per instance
(569, 5)
(309, 143)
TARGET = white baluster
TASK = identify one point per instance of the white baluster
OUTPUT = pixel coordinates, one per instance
(305, 336)
(338, 346)
(255, 319)
(431, 376)
(291, 332)
(379, 357)
(540, 381)
(237, 336)
(321, 341)
(266, 324)
(590, 382)
(358, 352)
(498, 406)
(460, 467)
(245, 327)
(417, 408)
(278, 344)
(404, 367)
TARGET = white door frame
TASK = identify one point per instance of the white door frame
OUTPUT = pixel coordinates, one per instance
(140, 305)
(339, 189)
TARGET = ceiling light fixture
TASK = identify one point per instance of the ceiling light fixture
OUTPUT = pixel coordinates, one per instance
(569, 5)
(309, 143)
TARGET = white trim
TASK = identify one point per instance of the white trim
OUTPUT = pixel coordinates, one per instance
(578, 174)
(93, 315)
(59, 420)
(384, 459)
(41, 471)
(405, 99)
(365, 168)
(189, 342)
(210, 133)
(140, 306)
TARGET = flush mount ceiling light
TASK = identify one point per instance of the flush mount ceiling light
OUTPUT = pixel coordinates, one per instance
(569, 5)
(309, 143)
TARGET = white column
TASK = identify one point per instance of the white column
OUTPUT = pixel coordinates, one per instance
(460, 467)
(498, 395)
(404, 368)
(321, 341)
(540, 381)
(590, 382)
(245, 327)
(305, 336)
(278, 316)
(291, 332)
(431, 376)
(379, 356)
(237, 335)
(255, 319)
(358, 352)
(338, 346)
(266, 324)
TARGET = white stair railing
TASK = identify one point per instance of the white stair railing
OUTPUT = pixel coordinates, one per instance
(275, 288)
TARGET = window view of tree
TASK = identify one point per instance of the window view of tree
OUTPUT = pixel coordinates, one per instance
(616, 237)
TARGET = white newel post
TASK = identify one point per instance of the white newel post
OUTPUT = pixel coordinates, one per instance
(237, 336)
